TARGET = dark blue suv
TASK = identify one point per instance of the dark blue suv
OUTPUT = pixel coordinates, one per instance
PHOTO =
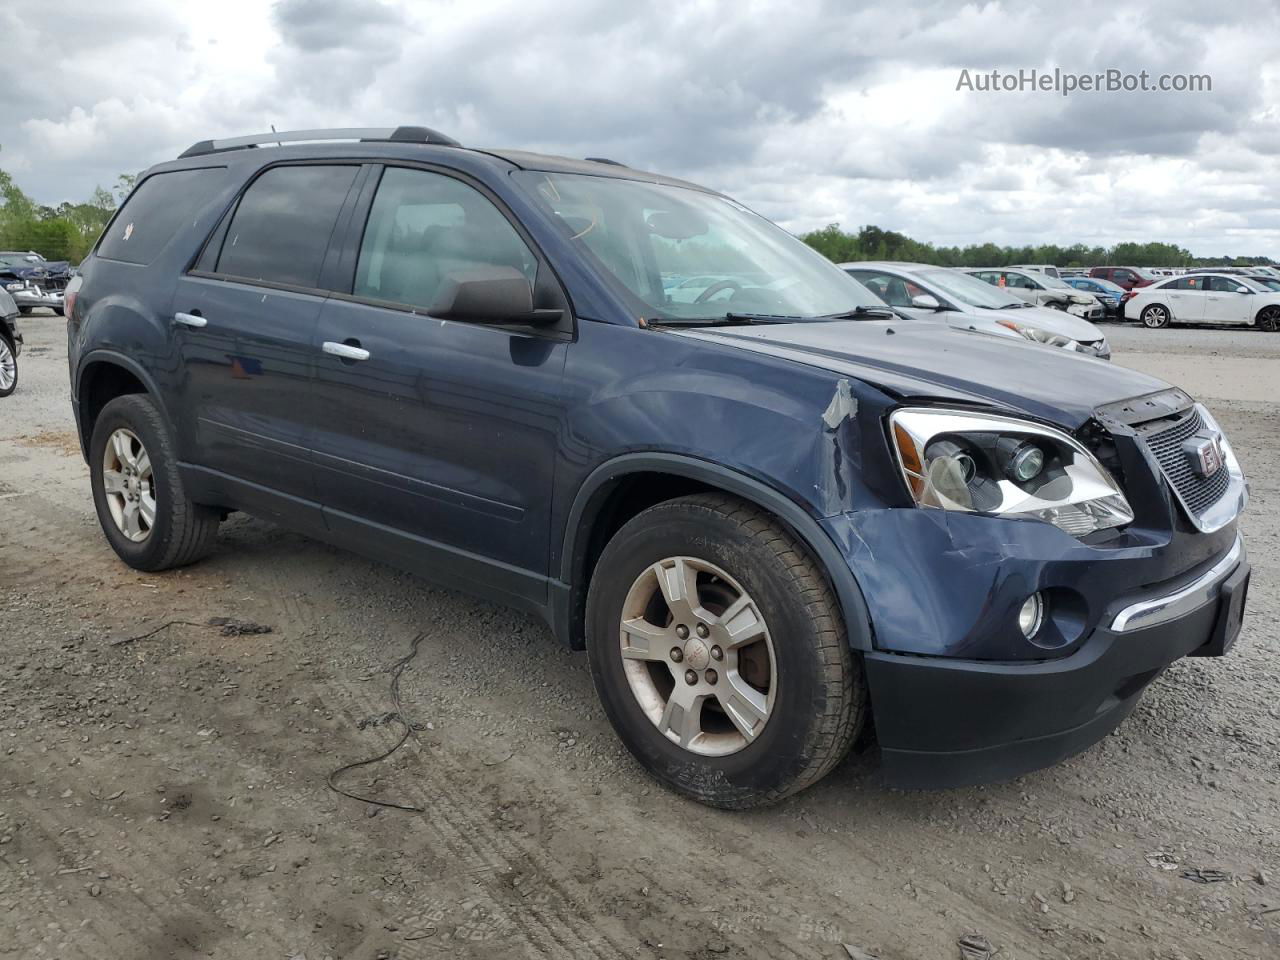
(768, 507)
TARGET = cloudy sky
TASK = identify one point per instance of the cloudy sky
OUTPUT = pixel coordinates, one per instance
(810, 112)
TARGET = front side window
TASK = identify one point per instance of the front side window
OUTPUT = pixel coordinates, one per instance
(1225, 284)
(1020, 281)
(281, 228)
(681, 253)
(423, 228)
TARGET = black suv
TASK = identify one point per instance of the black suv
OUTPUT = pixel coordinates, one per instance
(763, 503)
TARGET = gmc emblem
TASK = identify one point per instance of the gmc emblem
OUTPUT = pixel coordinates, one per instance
(1204, 454)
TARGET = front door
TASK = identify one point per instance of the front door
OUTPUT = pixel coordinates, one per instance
(436, 439)
(1223, 302)
(244, 323)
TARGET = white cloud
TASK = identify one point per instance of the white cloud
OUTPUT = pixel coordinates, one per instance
(810, 111)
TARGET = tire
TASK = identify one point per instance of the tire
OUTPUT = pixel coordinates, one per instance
(800, 667)
(178, 532)
(1155, 316)
(25, 311)
(60, 311)
(8, 367)
(1269, 319)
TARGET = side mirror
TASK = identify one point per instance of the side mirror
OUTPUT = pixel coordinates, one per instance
(926, 301)
(1243, 290)
(486, 294)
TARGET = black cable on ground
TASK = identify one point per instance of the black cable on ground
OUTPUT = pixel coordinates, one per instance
(396, 670)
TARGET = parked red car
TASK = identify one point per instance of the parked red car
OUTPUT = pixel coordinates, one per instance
(1127, 277)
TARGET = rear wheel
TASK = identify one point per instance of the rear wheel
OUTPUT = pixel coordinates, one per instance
(1156, 316)
(1269, 319)
(8, 368)
(139, 495)
(719, 653)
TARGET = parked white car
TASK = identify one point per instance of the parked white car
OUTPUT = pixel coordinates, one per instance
(1042, 290)
(927, 292)
(1046, 268)
(1205, 298)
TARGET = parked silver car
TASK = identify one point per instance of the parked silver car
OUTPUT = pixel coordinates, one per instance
(939, 293)
(1042, 290)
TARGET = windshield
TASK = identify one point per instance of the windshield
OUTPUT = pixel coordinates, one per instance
(1053, 283)
(679, 253)
(1097, 283)
(969, 290)
(18, 259)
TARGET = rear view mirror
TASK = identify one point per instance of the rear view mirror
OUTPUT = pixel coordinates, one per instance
(926, 301)
(488, 294)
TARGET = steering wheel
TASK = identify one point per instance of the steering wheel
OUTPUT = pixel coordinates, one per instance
(715, 288)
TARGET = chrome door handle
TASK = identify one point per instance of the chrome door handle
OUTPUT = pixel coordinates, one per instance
(189, 320)
(345, 351)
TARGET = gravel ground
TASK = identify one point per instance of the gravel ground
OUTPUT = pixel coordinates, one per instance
(166, 797)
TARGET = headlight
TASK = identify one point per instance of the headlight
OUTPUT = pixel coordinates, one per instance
(978, 463)
(1040, 336)
(1081, 298)
(14, 286)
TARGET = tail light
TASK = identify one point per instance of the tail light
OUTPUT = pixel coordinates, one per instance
(69, 296)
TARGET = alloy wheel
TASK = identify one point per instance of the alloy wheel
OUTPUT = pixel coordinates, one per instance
(1268, 320)
(698, 656)
(129, 485)
(1155, 316)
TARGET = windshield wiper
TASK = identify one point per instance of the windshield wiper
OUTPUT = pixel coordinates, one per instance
(860, 311)
(1015, 306)
(728, 319)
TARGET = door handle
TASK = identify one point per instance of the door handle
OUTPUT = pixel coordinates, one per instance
(345, 350)
(189, 320)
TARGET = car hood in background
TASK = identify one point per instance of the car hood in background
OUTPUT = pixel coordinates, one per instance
(926, 360)
(1045, 318)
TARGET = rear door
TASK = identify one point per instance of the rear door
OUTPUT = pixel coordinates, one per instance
(435, 440)
(245, 323)
(1223, 303)
(1184, 296)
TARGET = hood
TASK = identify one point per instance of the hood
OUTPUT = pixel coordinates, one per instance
(918, 359)
(1046, 318)
(50, 268)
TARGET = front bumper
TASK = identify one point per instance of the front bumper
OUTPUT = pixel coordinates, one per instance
(37, 296)
(944, 722)
(1088, 311)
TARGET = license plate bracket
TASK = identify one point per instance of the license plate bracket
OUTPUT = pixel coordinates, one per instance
(1231, 604)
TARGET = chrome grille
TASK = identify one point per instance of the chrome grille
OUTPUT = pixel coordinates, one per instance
(1196, 492)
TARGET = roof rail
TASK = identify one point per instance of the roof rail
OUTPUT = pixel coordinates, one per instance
(363, 134)
(612, 163)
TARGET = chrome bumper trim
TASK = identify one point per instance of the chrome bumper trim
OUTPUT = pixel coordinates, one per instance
(1200, 591)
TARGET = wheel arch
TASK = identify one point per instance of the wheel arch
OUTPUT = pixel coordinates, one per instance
(607, 499)
(104, 375)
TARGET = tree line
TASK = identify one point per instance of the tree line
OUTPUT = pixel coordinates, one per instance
(873, 243)
(64, 232)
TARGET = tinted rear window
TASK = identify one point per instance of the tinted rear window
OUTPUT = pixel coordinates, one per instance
(282, 226)
(156, 211)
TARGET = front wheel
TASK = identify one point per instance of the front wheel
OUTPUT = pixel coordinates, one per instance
(1269, 319)
(719, 653)
(8, 368)
(1155, 317)
(138, 492)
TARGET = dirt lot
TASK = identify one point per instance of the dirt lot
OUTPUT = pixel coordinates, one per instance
(167, 798)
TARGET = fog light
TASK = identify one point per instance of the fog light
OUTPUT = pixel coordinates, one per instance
(1031, 615)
